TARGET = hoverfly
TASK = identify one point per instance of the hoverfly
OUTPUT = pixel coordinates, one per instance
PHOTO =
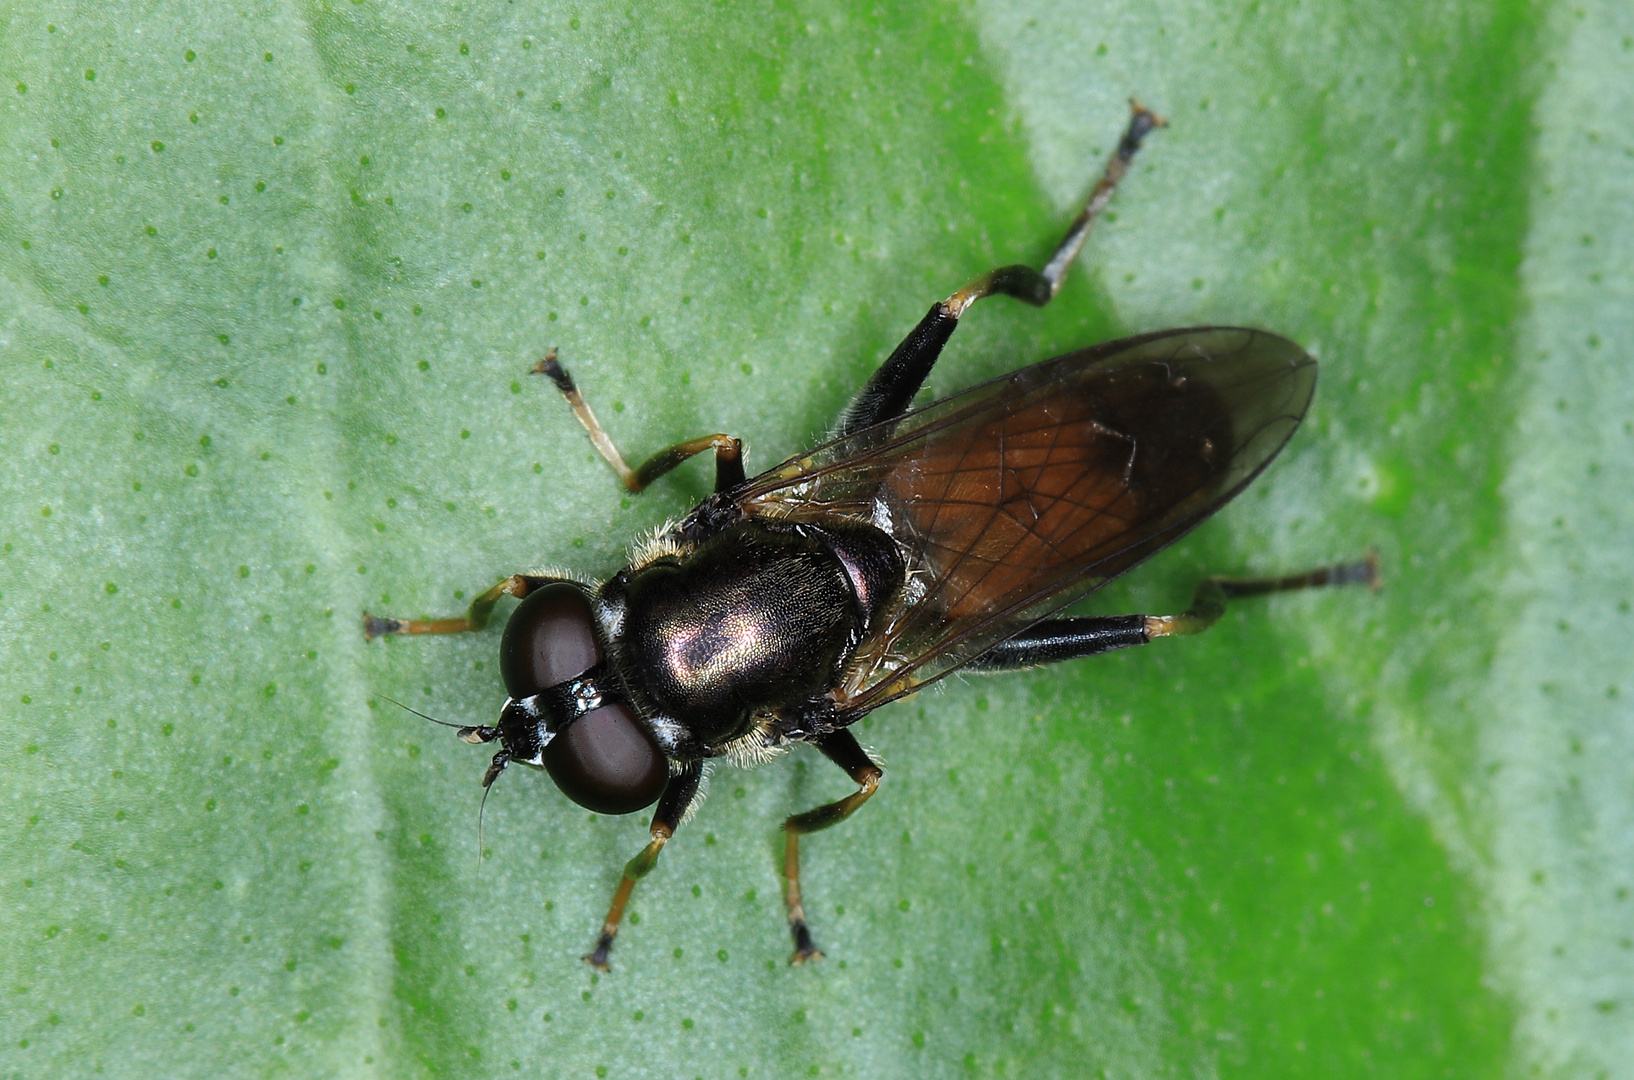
(912, 544)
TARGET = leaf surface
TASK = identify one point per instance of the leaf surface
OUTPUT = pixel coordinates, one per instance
(271, 280)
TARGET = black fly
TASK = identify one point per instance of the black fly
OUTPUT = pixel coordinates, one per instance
(788, 605)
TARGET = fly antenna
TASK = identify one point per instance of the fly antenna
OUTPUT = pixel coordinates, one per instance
(495, 767)
(481, 806)
(420, 714)
(467, 733)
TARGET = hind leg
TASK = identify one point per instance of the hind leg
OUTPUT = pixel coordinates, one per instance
(891, 390)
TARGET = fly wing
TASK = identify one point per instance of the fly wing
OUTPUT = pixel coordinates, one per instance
(1017, 497)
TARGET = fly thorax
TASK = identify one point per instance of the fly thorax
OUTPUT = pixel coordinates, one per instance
(758, 618)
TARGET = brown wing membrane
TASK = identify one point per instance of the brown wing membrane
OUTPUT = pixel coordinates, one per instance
(1017, 497)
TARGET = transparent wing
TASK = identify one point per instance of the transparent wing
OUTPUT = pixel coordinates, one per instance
(1017, 497)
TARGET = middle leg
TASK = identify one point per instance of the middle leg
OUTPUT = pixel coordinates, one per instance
(842, 749)
(728, 451)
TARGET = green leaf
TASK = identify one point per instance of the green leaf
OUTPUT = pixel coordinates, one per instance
(271, 281)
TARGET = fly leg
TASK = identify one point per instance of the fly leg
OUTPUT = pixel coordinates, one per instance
(672, 807)
(475, 617)
(1209, 602)
(1071, 638)
(728, 451)
(891, 390)
(842, 749)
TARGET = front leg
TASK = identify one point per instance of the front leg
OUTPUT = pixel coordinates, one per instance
(672, 807)
(475, 617)
(842, 749)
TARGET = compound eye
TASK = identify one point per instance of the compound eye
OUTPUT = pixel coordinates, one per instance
(548, 640)
(608, 763)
